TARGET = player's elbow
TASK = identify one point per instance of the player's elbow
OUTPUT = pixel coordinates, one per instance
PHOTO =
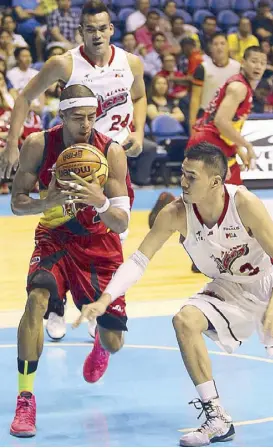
(122, 225)
(219, 121)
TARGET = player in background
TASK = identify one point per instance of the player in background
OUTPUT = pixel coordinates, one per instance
(228, 234)
(75, 249)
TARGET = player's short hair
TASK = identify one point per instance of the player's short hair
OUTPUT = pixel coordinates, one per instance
(93, 7)
(19, 50)
(253, 49)
(212, 156)
(76, 91)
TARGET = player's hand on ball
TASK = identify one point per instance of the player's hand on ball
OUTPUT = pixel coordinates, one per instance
(133, 144)
(90, 312)
(54, 194)
(84, 192)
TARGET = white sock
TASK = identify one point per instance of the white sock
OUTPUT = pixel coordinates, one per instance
(207, 391)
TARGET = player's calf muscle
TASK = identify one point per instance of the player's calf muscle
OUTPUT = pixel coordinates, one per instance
(37, 302)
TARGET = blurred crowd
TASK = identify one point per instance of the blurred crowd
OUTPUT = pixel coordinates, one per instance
(188, 48)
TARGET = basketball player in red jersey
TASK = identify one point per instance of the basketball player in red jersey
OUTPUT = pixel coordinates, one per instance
(76, 250)
(114, 75)
(224, 118)
(225, 115)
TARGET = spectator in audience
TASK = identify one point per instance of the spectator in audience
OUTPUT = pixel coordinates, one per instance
(263, 23)
(203, 37)
(45, 7)
(129, 44)
(6, 105)
(55, 49)
(240, 41)
(63, 24)
(20, 75)
(190, 58)
(267, 49)
(29, 18)
(178, 31)
(139, 17)
(210, 75)
(160, 104)
(152, 61)
(144, 35)
(7, 49)
(169, 11)
(3, 69)
(9, 25)
(260, 97)
(174, 77)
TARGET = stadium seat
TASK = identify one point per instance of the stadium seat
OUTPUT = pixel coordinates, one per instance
(117, 5)
(239, 6)
(155, 4)
(227, 19)
(78, 3)
(185, 15)
(250, 15)
(124, 14)
(114, 17)
(179, 3)
(194, 5)
(199, 16)
(117, 35)
(216, 6)
(232, 29)
(164, 127)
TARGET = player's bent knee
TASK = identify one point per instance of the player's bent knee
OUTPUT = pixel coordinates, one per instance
(190, 319)
(37, 302)
(112, 341)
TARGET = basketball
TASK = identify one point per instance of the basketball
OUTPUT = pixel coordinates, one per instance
(82, 159)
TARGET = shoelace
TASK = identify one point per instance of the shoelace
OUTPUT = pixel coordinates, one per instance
(102, 354)
(208, 408)
(23, 410)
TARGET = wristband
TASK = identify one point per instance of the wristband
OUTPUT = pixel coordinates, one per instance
(104, 208)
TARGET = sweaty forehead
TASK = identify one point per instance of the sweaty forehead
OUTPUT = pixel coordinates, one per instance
(96, 20)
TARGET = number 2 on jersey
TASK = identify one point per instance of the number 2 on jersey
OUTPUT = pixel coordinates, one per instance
(119, 123)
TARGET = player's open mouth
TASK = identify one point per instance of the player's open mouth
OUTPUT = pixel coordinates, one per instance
(97, 44)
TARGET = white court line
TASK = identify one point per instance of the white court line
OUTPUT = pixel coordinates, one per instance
(148, 347)
(246, 422)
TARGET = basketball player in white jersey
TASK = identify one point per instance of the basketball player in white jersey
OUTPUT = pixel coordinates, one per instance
(228, 234)
(114, 75)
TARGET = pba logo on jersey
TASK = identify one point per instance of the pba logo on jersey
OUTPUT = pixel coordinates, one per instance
(225, 263)
(106, 104)
(35, 260)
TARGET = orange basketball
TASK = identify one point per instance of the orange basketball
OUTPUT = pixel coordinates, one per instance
(82, 159)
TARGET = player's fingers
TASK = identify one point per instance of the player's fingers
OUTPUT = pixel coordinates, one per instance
(77, 322)
(8, 171)
(74, 194)
(79, 179)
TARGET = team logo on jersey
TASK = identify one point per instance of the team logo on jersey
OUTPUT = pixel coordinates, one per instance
(104, 105)
(198, 236)
(35, 260)
(225, 263)
(231, 235)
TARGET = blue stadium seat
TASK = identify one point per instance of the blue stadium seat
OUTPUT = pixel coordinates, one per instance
(226, 19)
(199, 16)
(155, 4)
(232, 29)
(194, 5)
(164, 127)
(179, 3)
(239, 6)
(250, 15)
(117, 5)
(114, 17)
(78, 3)
(117, 35)
(124, 13)
(216, 6)
(185, 15)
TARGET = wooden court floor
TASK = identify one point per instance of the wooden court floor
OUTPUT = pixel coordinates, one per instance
(167, 277)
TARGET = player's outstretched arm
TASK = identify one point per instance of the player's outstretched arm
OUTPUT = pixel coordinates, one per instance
(53, 70)
(132, 270)
(31, 156)
(235, 94)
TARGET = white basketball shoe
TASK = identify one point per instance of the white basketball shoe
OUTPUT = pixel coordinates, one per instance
(56, 327)
(218, 426)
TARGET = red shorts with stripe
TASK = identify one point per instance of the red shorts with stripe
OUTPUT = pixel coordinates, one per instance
(83, 265)
(229, 151)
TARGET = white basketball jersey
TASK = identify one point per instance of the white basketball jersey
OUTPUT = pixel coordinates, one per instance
(111, 84)
(226, 250)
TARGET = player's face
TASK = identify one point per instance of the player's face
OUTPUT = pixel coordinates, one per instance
(254, 66)
(79, 122)
(195, 181)
(96, 32)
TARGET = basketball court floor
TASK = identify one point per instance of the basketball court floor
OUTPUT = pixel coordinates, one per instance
(143, 398)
